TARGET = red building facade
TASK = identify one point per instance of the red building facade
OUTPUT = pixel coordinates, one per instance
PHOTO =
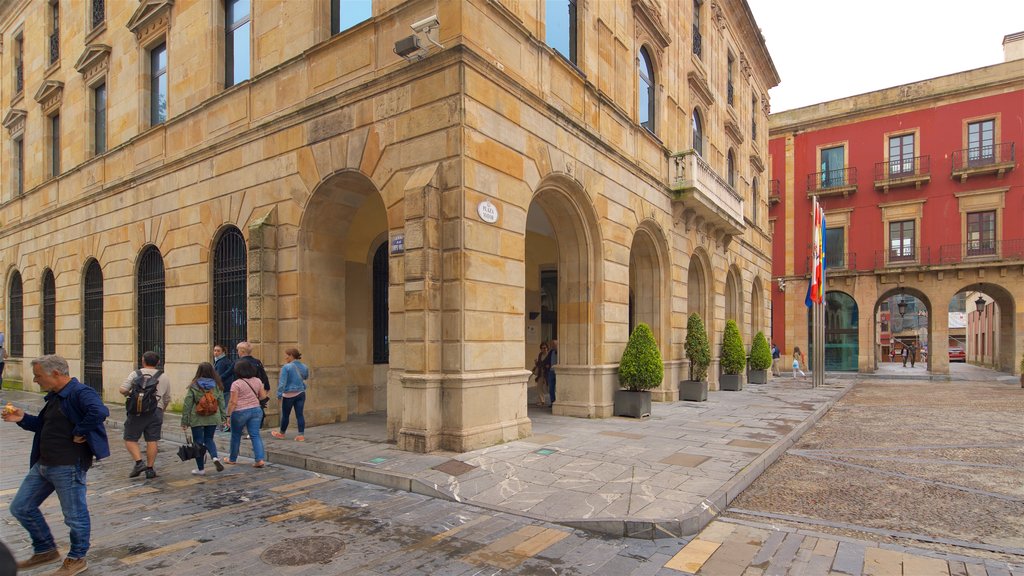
(924, 196)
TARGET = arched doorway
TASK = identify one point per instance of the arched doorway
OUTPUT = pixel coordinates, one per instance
(756, 304)
(341, 234)
(647, 284)
(986, 335)
(841, 332)
(697, 292)
(903, 318)
(733, 298)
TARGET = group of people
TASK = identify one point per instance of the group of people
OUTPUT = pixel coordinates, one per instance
(798, 360)
(907, 352)
(543, 373)
(69, 432)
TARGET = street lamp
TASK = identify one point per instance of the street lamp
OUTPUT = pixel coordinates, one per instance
(979, 304)
(902, 307)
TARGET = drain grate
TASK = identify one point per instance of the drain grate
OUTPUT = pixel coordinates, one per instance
(303, 551)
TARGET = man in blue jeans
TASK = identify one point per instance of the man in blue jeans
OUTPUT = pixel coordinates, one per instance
(69, 433)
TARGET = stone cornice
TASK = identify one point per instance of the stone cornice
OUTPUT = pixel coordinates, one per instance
(49, 95)
(149, 16)
(93, 61)
(14, 121)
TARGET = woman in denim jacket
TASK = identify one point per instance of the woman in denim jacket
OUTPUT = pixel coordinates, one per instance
(291, 392)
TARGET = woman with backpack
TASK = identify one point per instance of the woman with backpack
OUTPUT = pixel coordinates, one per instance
(203, 411)
(245, 411)
(291, 392)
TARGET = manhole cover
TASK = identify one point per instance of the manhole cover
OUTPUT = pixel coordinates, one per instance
(302, 551)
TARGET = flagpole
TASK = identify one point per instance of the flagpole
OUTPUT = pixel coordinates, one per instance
(818, 371)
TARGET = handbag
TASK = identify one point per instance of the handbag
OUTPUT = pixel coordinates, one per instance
(190, 450)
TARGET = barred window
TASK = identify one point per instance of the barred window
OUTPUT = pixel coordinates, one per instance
(381, 351)
(150, 311)
(49, 314)
(230, 316)
(16, 332)
(93, 323)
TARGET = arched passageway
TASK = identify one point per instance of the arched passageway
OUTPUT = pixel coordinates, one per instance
(841, 332)
(903, 318)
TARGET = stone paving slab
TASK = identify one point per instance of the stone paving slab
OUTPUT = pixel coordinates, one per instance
(664, 476)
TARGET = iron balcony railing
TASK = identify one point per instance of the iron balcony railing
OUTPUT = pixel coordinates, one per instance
(19, 77)
(729, 93)
(774, 187)
(835, 261)
(54, 46)
(983, 155)
(696, 41)
(837, 178)
(899, 168)
(98, 13)
(902, 256)
(982, 250)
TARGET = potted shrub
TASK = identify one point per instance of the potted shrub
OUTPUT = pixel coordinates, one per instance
(733, 358)
(1022, 372)
(698, 351)
(760, 360)
(639, 370)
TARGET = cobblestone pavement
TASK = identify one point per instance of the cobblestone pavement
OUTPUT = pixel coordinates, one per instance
(908, 477)
(281, 520)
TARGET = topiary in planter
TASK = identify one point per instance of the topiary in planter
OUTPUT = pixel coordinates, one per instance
(698, 351)
(733, 356)
(760, 353)
(641, 367)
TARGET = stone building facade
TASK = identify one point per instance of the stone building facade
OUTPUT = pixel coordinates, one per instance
(182, 173)
(924, 197)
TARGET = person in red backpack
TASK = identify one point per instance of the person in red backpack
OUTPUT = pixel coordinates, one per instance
(143, 419)
(203, 410)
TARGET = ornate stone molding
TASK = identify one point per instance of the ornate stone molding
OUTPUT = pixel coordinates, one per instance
(648, 14)
(150, 17)
(699, 87)
(14, 121)
(745, 65)
(49, 95)
(719, 14)
(94, 61)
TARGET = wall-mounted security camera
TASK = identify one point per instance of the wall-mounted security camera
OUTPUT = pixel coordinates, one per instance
(427, 24)
(408, 47)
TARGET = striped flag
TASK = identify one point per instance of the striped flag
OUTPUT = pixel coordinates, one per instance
(816, 287)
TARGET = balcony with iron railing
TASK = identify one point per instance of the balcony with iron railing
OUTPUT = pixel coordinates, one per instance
(899, 172)
(774, 192)
(838, 182)
(982, 250)
(729, 90)
(902, 256)
(984, 159)
(835, 261)
(708, 195)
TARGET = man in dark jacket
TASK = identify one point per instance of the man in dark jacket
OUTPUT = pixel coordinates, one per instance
(225, 368)
(245, 351)
(69, 433)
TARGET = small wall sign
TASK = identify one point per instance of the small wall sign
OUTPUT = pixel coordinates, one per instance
(398, 244)
(488, 212)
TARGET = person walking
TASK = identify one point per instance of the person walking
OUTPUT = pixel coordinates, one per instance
(913, 355)
(798, 358)
(776, 355)
(906, 354)
(202, 410)
(3, 358)
(148, 391)
(291, 393)
(244, 350)
(549, 368)
(539, 374)
(69, 434)
(245, 412)
(225, 371)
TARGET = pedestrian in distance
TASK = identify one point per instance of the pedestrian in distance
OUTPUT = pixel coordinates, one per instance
(906, 354)
(913, 355)
(540, 374)
(225, 368)
(549, 367)
(776, 355)
(291, 393)
(798, 358)
(68, 434)
(245, 412)
(203, 409)
(148, 392)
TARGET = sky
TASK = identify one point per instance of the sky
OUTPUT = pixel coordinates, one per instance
(826, 50)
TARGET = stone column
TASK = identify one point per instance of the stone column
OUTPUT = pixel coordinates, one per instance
(261, 296)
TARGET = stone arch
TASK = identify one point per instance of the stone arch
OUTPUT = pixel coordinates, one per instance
(756, 307)
(699, 292)
(734, 296)
(649, 280)
(926, 300)
(344, 215)
(1006, 357)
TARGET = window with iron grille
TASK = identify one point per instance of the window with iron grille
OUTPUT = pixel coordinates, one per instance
(158, 85)
(753, 117)
(99, 118)
(901, 240)
(55, 145)
(230, 312)
(696, 29)
(646, 95)
(236, 48)
(755, 198)
(381, 346)
(19, 64)
(54, 32)
(150, 309)
(560, 27)
(16, 331)
(93, 323)
(728, 82)
(981, 233)
(347, 13)
(49, 314)
(99, 14)
(19, 166)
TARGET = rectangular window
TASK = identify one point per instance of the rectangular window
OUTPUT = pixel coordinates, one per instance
(19, 166)
(99, 102)
(835, 247)
(753, 117)
(833, 162)
(560, 27)
(981, 233)
(901, 155)
(19, 64)
(99, 13)
(54, 32)
(981, 142)
(901, 241)
(158, 85)
(347, 13)
(236, 47)
(55, 145)
(728, 85)
(697, 51)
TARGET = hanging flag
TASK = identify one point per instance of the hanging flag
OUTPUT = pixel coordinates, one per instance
(815, 288)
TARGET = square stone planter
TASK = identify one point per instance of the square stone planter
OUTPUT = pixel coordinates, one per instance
(633, 404)
(757, 376)
(731, 382)
(693, 390)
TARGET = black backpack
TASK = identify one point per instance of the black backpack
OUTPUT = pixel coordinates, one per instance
(142, 396)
